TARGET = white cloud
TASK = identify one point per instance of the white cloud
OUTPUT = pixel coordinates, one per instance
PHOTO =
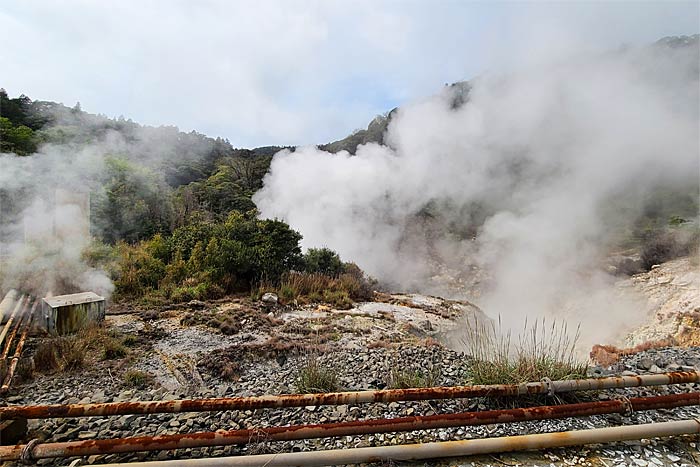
(286, 71)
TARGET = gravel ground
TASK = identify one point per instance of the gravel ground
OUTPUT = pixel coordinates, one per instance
(357, 368)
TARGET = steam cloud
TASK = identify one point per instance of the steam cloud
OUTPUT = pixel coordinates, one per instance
(45, 219)
(530, 165)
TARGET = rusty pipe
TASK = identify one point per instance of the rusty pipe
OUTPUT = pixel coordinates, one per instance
(342, 398)
(20, 304)
(410, 452)
(11, 338)
(7, 303)
(18, 353)
(360, 427)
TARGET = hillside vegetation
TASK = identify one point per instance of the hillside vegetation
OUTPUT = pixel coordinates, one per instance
(172, 216)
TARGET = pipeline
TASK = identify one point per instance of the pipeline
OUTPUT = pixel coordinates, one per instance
(18, 352)
(7, 304)
(411, 452)
(23, 314)
(20, 304)
(11, 337)
(342, 398)
(362, 427)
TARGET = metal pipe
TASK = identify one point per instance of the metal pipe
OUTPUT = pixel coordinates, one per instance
(411, 452)
(18, 353)
(7, 303)
(19, 305)
(11, 337)
(361, 427)
(342, 398)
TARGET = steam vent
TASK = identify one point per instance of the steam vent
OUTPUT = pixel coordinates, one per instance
(65, 314)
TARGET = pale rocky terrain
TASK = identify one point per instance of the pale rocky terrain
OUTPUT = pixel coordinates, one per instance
(264, 347)
(672, 293)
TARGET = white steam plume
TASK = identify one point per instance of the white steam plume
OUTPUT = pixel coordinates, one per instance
(44, 197)
(540, 152)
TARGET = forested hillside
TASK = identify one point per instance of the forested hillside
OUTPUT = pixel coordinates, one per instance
(172, 215)
(170, 212)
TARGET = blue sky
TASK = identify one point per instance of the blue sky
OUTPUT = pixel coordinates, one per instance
(294, 71)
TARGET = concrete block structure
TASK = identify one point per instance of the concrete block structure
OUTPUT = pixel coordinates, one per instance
(65, 314)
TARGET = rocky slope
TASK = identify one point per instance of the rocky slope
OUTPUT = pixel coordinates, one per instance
(672, 294)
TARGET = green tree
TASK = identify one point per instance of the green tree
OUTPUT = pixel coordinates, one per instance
(134, 204)
(324, 261)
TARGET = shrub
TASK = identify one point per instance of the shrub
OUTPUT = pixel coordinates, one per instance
(208, 259)
(315, 377)
(541, 352)
(137, 379)
(658, 249)
(139, 272)
(324, 261)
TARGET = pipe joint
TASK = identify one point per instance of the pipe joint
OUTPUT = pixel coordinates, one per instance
(549, 385)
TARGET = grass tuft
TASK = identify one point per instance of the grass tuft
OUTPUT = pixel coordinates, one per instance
(137, 379)
(405, 379)
(69, 353)
(542, 351)
(315, 377)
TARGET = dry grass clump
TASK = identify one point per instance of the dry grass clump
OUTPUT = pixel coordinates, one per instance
(68, 353)
(137, 379)
(60, 353)
(606, 355)
(232, 321)
(316, 377)
(400, 378)
(541, 352)
(340, 291)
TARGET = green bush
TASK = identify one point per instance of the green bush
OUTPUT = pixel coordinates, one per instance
(338, 298)
(323, 261)
(208, 260)
(138, 271)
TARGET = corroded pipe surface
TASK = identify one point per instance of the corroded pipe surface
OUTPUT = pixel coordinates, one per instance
(361, 427)
(18, 352)
(8, 303)
(409, 452)
(11, 338)
(342, 398)
(20, 304)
